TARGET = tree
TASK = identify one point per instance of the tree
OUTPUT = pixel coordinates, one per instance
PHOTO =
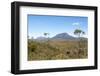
(46, 34)
(79, 33)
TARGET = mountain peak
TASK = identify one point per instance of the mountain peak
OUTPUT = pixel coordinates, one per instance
(40, 38)
(63, 36)
(63, 33)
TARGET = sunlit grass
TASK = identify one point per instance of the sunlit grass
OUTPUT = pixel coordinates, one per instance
(53, 50)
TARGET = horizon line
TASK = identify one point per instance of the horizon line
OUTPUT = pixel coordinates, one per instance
(55, 35)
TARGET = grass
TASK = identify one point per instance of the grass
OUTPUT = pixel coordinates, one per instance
(56, 49)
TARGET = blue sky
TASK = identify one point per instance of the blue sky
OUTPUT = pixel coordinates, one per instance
(40, 24)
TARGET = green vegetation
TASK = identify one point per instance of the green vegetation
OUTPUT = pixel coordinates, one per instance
(56, 49)
(79, 33)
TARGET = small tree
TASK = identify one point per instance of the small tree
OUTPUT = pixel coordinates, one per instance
(79, 34)
(46, 34)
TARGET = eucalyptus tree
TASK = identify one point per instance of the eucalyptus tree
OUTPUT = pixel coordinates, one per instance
(79, 33)
(47, 35)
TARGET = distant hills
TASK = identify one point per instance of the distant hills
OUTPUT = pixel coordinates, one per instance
(41, 38)
(61, 36)
(64, 36)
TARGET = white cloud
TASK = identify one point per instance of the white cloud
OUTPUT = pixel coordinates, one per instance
(76, 23)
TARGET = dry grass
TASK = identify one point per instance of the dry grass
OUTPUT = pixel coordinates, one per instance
(52, 50)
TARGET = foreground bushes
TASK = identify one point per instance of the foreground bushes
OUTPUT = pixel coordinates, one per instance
(56, 50)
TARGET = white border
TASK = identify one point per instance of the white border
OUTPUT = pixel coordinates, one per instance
(26, 65)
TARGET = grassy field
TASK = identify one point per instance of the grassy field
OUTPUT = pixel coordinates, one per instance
(56, 49)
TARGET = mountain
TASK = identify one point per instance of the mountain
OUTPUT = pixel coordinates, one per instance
(60, 36)
(41, 38)
(64, 36)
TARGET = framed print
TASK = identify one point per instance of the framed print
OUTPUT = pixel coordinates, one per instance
(52, 37)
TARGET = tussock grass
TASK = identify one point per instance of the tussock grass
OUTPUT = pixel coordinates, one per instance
(53, 50)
